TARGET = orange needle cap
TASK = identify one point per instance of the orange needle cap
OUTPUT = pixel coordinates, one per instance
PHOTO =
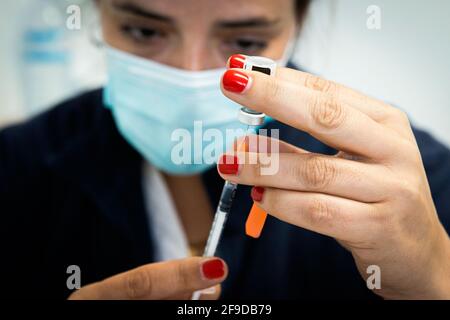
(255, 221)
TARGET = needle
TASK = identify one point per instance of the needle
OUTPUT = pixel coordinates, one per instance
(222, 212)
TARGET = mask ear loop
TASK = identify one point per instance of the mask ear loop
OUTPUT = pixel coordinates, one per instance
(95, 33)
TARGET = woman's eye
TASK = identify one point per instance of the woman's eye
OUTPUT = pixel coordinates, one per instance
(140, 34)
(249, 45)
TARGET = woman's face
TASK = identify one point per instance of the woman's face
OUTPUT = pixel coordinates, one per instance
(198, 34)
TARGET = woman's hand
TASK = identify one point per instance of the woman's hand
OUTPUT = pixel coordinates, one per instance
(373, 196)
(174, 280)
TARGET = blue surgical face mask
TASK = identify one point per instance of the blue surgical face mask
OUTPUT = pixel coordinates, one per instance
(178, 120)
(175, 118)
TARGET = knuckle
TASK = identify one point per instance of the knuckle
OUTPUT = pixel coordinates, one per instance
(400, 114)
(382, 220)
(317, 172)
(320, 213)
(327, 112)
(138, 284)
(407, 151)
(319, 84)
(182, 276)
(257, 168)
(408, 191)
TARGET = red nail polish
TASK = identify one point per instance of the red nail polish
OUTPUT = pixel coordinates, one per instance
(234, 81)
(213, 269)
(257, 193)
(236, 61)
(228, 164)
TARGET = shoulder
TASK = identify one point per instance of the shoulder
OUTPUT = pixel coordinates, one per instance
(436, 161)
(59, 126)
(433, 152)
(28, 145)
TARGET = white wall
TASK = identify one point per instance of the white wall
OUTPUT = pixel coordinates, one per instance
(86, 69)
(10, 97)
(407, 62)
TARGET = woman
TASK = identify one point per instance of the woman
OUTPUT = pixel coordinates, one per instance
(91, 183)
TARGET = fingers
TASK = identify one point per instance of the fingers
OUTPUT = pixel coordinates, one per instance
(375, 109)
(336, 217)
(310, 172)
(264, 144)
(323, 116)
(165, 280)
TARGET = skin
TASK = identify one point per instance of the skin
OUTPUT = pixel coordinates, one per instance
(193, 35)
(202, 34)
(172, 280)
(373, 196)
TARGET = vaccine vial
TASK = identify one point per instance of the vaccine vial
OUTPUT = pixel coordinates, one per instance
(260, 64)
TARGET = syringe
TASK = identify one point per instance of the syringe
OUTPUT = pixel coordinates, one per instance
(252, 119)
(224, 207)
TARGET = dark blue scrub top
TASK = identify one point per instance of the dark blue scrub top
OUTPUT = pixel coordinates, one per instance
(71, 194)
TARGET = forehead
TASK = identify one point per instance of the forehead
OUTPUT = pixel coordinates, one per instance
(213, 10)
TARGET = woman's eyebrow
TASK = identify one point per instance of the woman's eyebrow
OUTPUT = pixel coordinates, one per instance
(248, 23)
(139, 11)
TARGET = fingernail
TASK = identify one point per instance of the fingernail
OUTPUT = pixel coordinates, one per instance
(235, 81)
(257, 193)
(213, 269)
(228, 164)
(236, 61)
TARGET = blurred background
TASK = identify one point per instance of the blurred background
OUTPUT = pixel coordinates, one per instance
(405, 62)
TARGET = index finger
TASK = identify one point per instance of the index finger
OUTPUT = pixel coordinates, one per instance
(377, 110)
(323, 116)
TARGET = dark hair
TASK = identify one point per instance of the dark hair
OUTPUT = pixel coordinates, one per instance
(301, 7)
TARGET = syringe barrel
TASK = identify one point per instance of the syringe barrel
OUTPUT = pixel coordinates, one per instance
(220, 219)
(223, 209)
(227, 196)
